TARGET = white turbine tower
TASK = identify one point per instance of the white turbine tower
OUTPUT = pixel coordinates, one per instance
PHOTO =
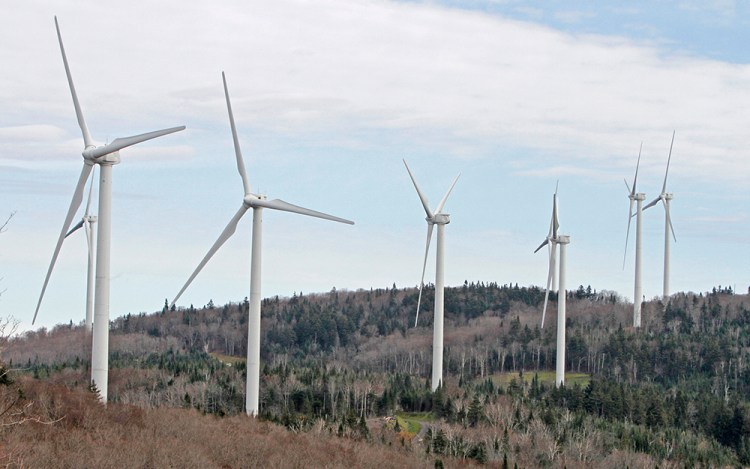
(563, 241)
(637, 197)
(257, 203)
(550, 242)
(440, 219)
(553, 240)
(665, 197)
(87, 223)
(105, 156)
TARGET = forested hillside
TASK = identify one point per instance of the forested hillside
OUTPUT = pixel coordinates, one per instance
(350, 367)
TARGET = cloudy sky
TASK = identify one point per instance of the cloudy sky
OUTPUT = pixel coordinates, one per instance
(329, 96)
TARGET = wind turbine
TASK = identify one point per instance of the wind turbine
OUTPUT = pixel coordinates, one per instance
(550, 242)
(553, 240)
(665, 197)
(87, 223)
(637, 197)
(105, 156)
(440, 219)
(257, 203)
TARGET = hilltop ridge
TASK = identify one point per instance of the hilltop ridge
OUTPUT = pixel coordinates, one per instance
(672, 392)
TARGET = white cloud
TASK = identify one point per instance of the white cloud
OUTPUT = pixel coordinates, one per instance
(25, 133)
(338, 66)
(372, 81)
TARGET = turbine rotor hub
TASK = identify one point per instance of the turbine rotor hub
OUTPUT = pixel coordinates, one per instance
(87, 156)
(109, 159)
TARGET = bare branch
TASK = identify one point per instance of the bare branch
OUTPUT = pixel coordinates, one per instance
(18, 417)
(11, 405)
(3, 227)
(8, 327)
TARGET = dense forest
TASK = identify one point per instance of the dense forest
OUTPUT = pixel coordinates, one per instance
(348, 370)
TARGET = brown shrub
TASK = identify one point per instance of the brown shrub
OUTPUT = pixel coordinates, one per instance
(78, 431)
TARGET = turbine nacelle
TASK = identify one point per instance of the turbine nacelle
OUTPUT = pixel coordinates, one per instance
(439, 219)
(92, 156)
(251, 200)
(663, 198)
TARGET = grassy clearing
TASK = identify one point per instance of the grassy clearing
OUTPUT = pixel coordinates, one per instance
(544, 376)
(227, 359)
(412, 422)
(418, 416)
(581, 379)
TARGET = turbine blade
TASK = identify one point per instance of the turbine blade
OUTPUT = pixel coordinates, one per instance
(544, 243)
(419, 192)
(424, 268)
(74, 204)
(88, 203)
(78, 226)
(91, 267)
(627, 236)
(445, 197)
(87, 229)
(666, 173)
(225, 235)
(552, 229)
(555, 225)
(549, 281)
(652, 203)
(669, 220)
(277, 204)
(123, 142)
(237, 151)
(546, 299)
(87, 140)
(627, 185)
(637, 165)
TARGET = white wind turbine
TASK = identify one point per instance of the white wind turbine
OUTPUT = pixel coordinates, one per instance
(553, 240)
(637, 197)
(665, 197)
(87, 223)
(105, 156)
(550, 242)
(440, 219)
(257, 203)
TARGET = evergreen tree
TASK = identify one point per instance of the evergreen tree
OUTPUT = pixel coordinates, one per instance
(439, 442)
(475, 412)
